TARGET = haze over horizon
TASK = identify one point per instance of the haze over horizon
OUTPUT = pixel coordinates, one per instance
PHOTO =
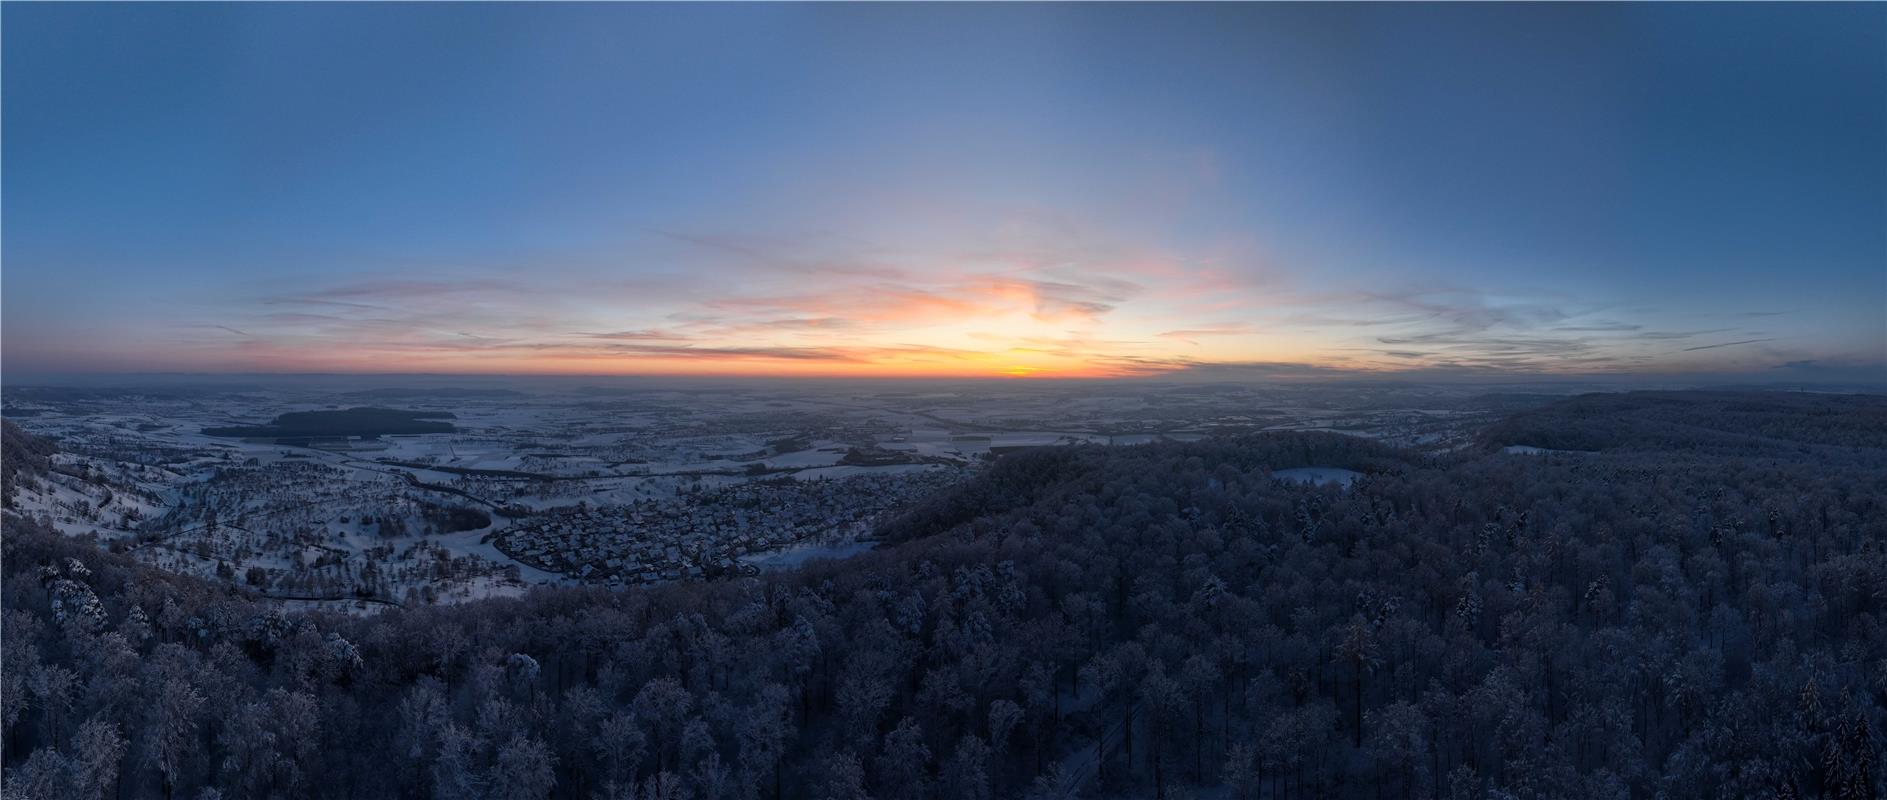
(947, 191)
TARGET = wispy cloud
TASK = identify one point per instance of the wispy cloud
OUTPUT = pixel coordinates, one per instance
(1728, 344)
(1055, 304)
(635, 336)
(1210, 329)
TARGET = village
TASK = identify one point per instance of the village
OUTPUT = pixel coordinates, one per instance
(705, 534)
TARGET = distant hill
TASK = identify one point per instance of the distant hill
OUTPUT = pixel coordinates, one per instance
(448, 393)
(367, 422)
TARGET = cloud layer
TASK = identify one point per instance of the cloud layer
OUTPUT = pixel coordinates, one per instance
(824, 305)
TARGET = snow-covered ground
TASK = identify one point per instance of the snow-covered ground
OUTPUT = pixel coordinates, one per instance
(368, 517)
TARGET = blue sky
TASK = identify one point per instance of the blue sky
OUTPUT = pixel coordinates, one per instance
(985, 189)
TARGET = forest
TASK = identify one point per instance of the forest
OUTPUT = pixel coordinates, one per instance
(1690, 606)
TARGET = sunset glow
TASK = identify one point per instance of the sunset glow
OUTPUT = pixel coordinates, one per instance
(975, 191)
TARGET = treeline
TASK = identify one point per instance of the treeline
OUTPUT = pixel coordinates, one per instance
(21, 454)
(1726, 423)
(1135, 621)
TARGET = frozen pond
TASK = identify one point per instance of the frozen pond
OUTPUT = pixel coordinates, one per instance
(1317, 475)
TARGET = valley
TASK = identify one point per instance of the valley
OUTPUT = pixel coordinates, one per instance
(448, 493)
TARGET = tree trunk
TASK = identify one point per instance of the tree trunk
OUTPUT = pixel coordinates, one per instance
(1127, 735)
(1159, 775)
(1198, 741)
(1359, 703)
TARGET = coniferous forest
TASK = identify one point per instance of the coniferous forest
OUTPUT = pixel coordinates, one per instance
(1683, 597)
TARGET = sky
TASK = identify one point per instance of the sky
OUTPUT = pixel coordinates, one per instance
(983, 190)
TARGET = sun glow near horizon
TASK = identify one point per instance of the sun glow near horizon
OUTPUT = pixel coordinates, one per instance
(1030, 322)
(954, 190)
